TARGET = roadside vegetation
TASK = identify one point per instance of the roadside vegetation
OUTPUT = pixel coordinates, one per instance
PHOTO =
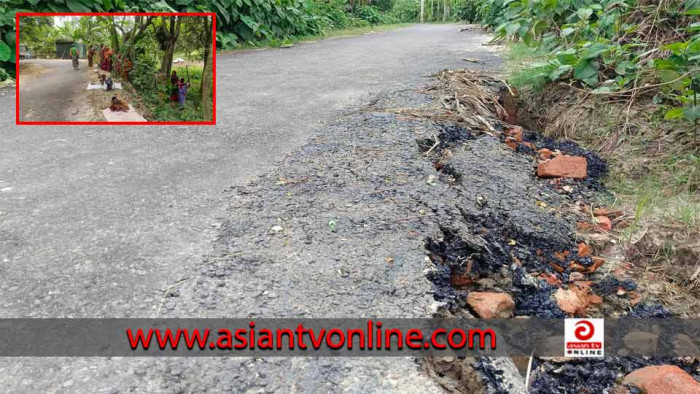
(249, 23)
(622, 78)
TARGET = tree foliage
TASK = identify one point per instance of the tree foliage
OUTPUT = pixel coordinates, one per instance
(621, 48)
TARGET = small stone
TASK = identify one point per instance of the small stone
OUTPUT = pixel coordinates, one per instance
(486, 283)
(276, 229)
(583, 250)
(563, 166)
(576, 276)
(662, 379)
(490, 305)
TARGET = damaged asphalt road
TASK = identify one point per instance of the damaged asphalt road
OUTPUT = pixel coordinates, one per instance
(97, 221)
(364, 217)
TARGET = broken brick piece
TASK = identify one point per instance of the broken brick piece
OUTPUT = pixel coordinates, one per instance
(557, 267)
(545, 154)
(550, 279)
(583, 250)
(530, 145)
(512, 143)
(562, 256)
(571, 301)
(489, 305)
(595, 299)
(583, 226)
(597, 262)
(662, 379)
(604, 223)
(563, 166)
(516, 133)
(607, 212)
(461, 280)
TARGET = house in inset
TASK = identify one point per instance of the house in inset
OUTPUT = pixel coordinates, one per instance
(63, 48)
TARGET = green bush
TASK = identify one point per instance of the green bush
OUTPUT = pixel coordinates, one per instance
(604, 45)
(406, 10)
(373, 16)
(142, 76)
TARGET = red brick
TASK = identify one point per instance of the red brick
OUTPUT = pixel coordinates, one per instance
(489, 305)
(563, 166)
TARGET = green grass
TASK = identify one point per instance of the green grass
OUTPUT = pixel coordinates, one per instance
(666, 192)
(337, 33)
(194, 72)
(518, 59)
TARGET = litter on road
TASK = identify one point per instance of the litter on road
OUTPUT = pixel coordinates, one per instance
(97, 85)
(119, 116)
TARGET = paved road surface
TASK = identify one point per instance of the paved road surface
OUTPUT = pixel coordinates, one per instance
(95, 221)
(57, 94)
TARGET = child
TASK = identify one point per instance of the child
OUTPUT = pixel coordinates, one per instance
(182, 92)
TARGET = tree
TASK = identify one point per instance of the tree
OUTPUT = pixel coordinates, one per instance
(131, 37)
(422, 10)
(207, 72)
(167, 35)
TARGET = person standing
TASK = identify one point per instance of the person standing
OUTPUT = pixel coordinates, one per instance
(174, 87)
(182, 92)
(74, 56)
(90, 54)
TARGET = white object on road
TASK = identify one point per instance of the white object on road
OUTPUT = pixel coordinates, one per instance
(118, 116)
(97, 85)
(179, 60)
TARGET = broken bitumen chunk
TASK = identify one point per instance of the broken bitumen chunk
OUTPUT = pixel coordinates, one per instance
(563, 166)
(647, 311)
(610, 284)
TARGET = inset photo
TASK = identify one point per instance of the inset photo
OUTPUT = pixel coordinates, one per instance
(105, 68)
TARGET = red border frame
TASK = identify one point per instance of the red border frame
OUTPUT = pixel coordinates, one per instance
(21, 14)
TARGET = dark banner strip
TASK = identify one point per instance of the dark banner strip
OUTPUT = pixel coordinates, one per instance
(347, 337)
